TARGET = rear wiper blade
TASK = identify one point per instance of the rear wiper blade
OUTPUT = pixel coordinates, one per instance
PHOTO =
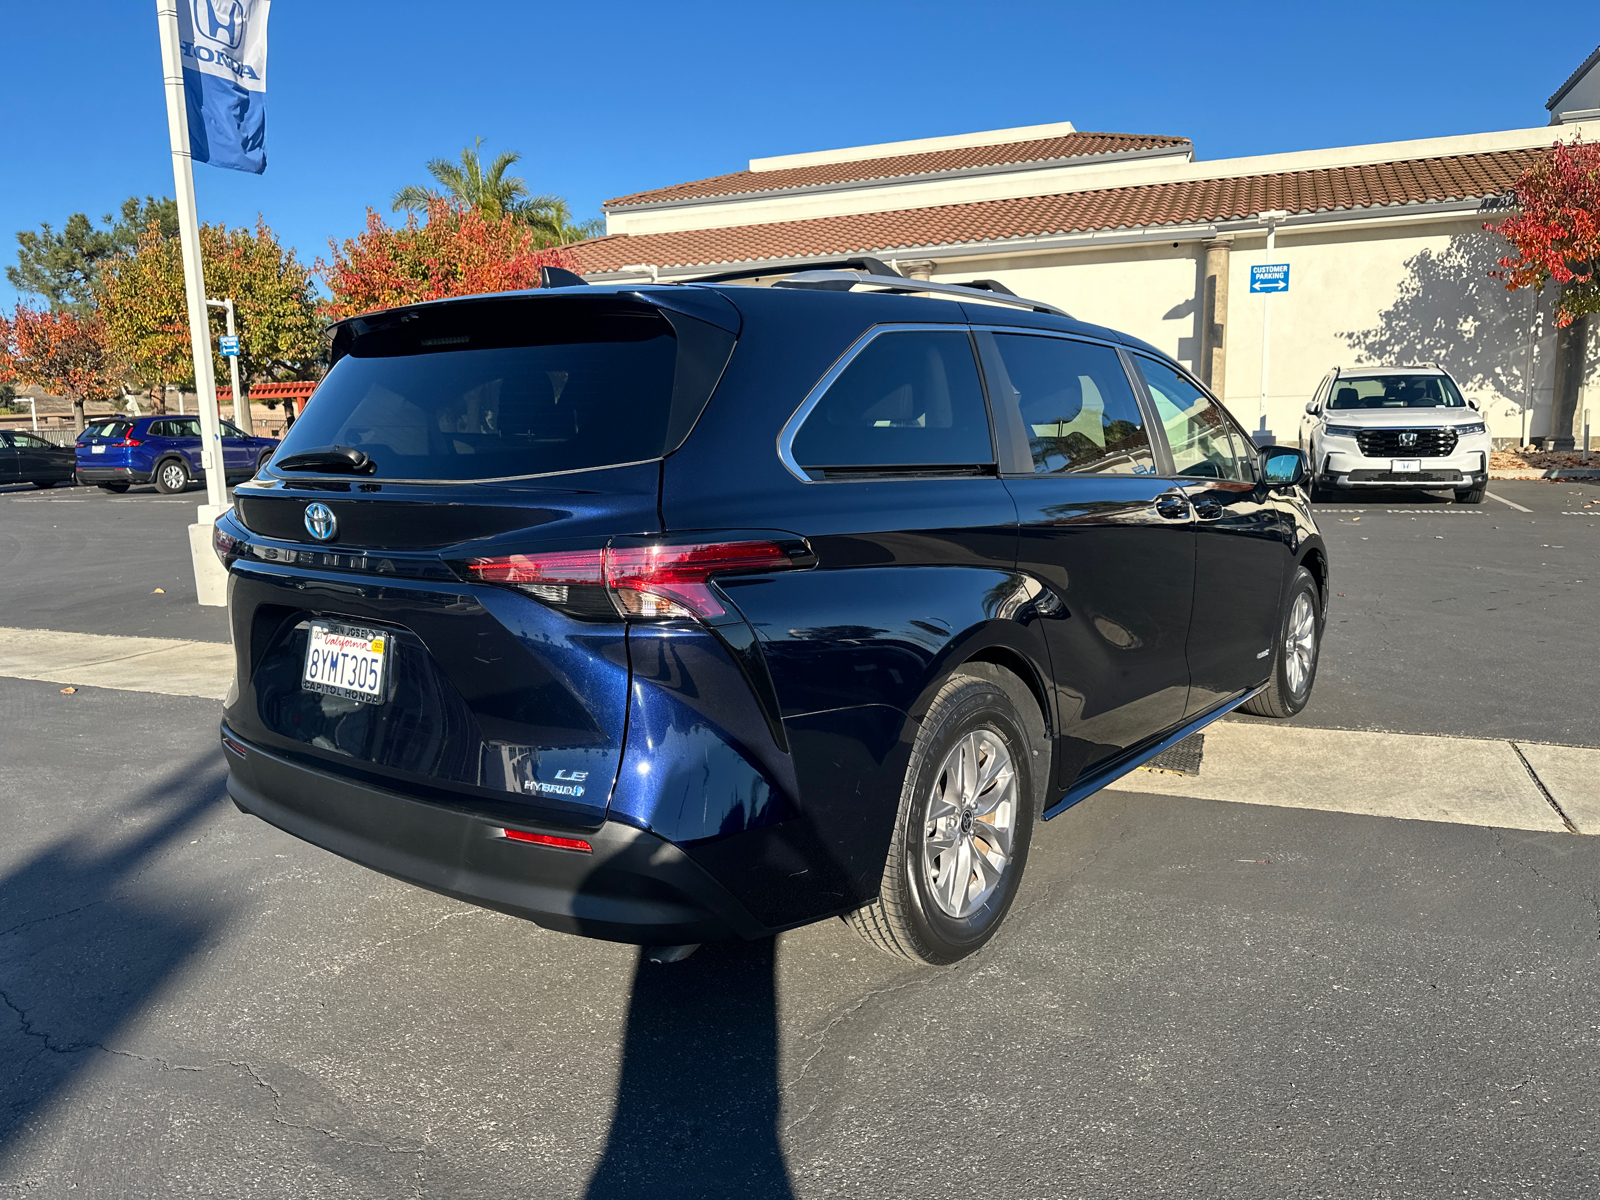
(341, 460)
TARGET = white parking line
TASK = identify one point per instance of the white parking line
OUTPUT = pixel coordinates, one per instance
(1507, 503)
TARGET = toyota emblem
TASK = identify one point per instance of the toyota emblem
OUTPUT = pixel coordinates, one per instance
(320, 521)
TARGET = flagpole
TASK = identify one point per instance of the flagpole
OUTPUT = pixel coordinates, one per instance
(210, 581)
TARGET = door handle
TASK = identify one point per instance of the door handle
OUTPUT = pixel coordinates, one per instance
(1174, 506)
(1207, 509)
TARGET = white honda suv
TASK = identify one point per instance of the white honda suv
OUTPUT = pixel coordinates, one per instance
(1395, 427)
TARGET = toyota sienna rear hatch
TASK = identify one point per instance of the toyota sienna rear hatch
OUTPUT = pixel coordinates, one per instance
(376, 636)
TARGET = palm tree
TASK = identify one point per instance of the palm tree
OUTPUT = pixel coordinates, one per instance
(492, 191)
(552, 223)
(495, 193)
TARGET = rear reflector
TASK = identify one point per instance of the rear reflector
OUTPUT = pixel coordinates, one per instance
(544, 839)
(238, 748)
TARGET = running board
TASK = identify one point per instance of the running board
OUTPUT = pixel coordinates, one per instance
(1089, 784)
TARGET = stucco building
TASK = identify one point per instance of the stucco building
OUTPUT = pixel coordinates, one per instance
(1389, 259)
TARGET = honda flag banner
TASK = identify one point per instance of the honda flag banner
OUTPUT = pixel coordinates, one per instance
(224, 49)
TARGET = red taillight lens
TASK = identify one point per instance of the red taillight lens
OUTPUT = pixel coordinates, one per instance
(125, 442)
(654, 582)
(670, 581)
(544, 839)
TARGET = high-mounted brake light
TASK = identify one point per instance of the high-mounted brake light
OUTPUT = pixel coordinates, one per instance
(654, 582)
(544, 839)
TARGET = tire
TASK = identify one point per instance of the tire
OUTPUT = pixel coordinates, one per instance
(116, 488)
(980, 713)
(1296, 651)
(1473, 495)
(171, 476)
(44, 484)
(263, 460)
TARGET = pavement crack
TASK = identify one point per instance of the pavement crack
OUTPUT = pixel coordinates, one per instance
(54, 916)
(1544, 791)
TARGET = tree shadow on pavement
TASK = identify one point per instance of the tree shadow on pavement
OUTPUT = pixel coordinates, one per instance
(697, 1101)
(82, 952)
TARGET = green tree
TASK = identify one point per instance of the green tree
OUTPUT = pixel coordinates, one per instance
(496, 194)
(65, 267)
(142, 301)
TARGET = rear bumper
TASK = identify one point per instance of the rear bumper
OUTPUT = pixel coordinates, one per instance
(634, 886)
(112, 475)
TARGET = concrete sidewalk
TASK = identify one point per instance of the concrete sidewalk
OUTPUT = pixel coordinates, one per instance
(166, 666)
(1464, 781)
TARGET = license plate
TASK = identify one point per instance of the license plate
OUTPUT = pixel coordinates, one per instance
(1403, 466)
(97, 449)
(346, 660)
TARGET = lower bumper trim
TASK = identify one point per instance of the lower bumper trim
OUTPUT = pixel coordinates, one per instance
(633, 887)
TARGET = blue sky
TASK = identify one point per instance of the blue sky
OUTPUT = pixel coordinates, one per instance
(606, 99)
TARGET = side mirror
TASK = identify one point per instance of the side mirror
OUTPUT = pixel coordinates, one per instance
(1473, 405)
(1282, 467)
(1312, 408)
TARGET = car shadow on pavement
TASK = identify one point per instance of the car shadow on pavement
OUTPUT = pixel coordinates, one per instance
(80, 957)
(697, 1100)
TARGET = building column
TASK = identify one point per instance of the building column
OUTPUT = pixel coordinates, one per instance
(1214, 314)
(917, 268)
(1566, 422)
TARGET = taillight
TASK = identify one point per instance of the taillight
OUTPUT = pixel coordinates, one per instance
(128, 441)
(224, 544)
(654, 582)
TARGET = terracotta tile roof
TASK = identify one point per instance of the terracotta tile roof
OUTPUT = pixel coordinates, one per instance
(1566, 87)
(1071, 145)
(1459, 177)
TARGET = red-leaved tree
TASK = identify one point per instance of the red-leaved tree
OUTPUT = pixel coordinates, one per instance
(1556, 233)
(457, 251)
(65, 354)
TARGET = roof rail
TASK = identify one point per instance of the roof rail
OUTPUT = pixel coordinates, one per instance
(872, 266)
(843, 281)
(988, 285)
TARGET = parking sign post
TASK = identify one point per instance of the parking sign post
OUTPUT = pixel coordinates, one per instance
(230, 351)
(1269, 280)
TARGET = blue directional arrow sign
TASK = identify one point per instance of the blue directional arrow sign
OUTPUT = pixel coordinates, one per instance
(230, 345)
(1274, 277)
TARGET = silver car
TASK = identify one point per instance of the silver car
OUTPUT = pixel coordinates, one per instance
(1395, 427)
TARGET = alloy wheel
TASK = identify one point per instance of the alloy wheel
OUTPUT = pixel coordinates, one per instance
(969, 825)
(174, 477)
(1300, 644)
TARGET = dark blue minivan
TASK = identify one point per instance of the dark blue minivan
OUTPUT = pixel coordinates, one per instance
(118, 453)
(675, 612)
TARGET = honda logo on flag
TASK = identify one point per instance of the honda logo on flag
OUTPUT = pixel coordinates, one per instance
(1408, 439)
(223, 44)
(226, 29)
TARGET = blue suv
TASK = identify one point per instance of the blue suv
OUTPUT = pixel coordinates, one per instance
(165, 451)
(674, 612)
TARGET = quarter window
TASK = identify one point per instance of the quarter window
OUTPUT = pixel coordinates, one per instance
(1203, 442)
(907, 399)
(1076, 405)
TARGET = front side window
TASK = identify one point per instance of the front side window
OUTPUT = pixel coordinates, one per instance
(30, 442)
(1395, 391)
(1076, 405)
(1203, 443)
(231, 431)
(909, 398)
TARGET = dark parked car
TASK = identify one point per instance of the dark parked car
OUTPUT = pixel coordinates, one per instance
(27, 458)
(677, 612)
(165, 451)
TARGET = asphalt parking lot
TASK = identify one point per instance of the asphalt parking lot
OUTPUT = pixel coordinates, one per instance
(1194, 996)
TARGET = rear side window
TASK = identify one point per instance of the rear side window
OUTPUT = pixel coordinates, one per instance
(508, 388)
(907, 399)
(1076, 405)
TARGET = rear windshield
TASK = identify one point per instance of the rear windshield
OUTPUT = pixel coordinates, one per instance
(501, 389)
(1395, 391)
(105, 429)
